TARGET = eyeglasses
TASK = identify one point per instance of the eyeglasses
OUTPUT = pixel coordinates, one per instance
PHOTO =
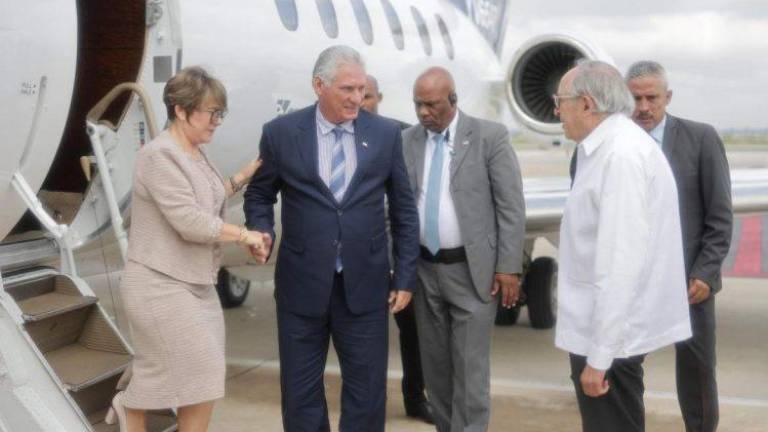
(556, 98)
(217, 115)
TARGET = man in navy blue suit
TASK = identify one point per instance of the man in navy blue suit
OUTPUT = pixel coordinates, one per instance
(333, 164)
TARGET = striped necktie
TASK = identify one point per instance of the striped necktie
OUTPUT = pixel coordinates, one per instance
(338, 179)
(338, 175)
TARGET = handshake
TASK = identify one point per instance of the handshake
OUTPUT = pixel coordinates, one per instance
(259, 244)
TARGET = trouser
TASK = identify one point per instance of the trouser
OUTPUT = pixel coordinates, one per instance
(361, 345)
(455, 337)
(413, 377)
(622, 408)
(696, 383)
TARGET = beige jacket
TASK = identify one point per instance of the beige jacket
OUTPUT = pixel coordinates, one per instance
(174, 217)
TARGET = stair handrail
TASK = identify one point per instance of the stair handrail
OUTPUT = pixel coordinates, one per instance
(94, 114)
(94, 123)
(60, 232)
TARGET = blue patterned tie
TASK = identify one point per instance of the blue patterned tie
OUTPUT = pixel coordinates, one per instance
(338, 178)
(336, 184)
(432, 204)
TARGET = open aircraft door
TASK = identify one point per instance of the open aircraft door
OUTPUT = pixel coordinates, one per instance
(61, 357)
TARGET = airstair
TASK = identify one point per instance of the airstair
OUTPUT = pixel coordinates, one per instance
(62, 359)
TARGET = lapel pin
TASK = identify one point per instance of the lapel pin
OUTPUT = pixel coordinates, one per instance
(365, 144)
(465, 142)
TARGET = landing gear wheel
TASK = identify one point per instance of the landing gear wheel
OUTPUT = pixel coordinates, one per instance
(539, 287)
(232, 289)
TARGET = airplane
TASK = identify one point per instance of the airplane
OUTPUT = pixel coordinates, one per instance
(83, 84)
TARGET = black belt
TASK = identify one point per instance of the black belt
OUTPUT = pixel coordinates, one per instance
(444, 256)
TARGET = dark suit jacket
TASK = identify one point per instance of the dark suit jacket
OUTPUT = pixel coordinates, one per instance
(697, 157)
(313, 223)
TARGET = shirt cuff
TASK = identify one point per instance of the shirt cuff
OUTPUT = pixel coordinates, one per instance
(599, 358)
(215, 231)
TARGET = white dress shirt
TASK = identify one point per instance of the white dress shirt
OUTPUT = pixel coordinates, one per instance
(450, 234)
(658, 132)
(621, 284)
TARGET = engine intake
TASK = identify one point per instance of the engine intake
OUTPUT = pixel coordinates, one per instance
(534, 74)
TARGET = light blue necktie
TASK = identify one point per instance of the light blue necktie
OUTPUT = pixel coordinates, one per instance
(338, 177)
(432, 204)
(336, 183)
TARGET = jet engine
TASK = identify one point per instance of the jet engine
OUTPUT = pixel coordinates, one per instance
(534, 74)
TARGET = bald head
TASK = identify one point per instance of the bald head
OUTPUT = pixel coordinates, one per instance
(434, 97)
(372, 95)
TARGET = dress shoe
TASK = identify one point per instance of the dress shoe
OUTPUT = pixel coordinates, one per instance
(421, 409)
(116, 413)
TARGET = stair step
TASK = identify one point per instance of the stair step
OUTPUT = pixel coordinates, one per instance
(53, 303)
(79, 367)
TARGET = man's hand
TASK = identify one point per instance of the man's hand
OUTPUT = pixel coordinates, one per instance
(593, 382)
(261, 254)
(398, 300)
(509, 285)
(698, 291)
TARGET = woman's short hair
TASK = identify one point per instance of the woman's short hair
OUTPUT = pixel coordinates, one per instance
(190, 88)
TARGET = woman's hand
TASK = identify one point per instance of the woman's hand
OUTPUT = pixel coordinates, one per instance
(259, 245)
(237, 181)
(247, 171)
(254, 239)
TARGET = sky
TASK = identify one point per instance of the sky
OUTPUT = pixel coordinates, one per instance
(715, 51)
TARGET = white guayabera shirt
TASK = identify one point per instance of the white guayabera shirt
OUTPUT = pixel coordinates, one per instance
(621, 286)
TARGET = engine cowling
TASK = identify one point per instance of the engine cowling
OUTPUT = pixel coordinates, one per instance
(534, 74)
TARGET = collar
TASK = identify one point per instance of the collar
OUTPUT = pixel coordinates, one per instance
(599, 134)
(327, 127)
(451, 129)
(658, 132)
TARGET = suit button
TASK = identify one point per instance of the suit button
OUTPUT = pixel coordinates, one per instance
(339, 212)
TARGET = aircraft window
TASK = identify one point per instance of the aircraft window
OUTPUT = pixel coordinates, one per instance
(363, 20)
(423, 30)
(394, 24)
(288, 14)
(446, 36)
(328, 17)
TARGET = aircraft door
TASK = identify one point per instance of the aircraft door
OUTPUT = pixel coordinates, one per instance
(121, 141)
(39, 52)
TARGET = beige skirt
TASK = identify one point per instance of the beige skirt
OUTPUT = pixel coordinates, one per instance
(177, 332)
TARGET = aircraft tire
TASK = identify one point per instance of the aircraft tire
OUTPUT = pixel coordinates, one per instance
(539, 287)
(232, 290)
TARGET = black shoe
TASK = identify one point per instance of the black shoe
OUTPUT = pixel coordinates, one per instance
(421, 409)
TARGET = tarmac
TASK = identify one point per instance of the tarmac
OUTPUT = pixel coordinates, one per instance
(530, 385)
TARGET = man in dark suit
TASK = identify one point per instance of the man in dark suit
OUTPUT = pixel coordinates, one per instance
(697, 157)
(414, 400)
(469, 192)
(333, 165)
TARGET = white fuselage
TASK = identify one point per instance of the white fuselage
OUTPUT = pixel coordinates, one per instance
(268, 69)
(265, 66)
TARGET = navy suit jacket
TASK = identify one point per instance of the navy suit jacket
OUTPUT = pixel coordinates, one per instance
(314, 224)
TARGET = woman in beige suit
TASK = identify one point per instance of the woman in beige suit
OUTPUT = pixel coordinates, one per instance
(176, 321)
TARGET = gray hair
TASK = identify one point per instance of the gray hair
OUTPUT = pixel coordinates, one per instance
(605, 85)
(645, 68)
(329, 61)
